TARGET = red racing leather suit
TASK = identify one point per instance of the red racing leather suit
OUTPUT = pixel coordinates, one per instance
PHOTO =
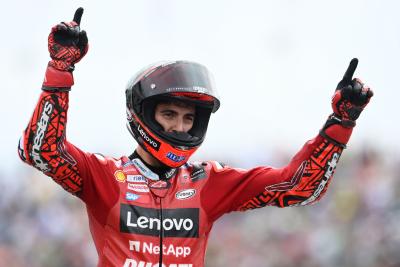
(138, 220)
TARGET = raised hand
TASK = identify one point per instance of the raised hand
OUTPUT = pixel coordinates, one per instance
(67, 44)
(351, 97)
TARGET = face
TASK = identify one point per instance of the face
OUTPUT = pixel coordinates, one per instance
(175, 116)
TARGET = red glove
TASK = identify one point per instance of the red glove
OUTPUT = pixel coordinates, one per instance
(350, 98)
(67, 45)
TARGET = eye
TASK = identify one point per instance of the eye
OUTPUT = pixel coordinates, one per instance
(189, 118)
(168, 115)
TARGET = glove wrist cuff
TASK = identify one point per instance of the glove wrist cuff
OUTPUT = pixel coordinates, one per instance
(57, 80)
(335, 131)
(334, 118)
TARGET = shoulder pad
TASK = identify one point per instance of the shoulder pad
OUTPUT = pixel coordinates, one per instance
(100, 158)
(105, 159)
(218, 166)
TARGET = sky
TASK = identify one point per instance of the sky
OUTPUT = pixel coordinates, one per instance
(276, 65)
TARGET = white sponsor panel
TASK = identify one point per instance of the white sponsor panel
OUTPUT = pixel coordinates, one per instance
(135, 263)
(185, 194)
(136, 179)
(150, 248)
(144, 170)
(143, 188)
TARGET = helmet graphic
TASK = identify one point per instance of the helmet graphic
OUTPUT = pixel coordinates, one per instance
(184, 81)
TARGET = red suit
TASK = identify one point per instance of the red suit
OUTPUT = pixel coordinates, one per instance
(138, 220)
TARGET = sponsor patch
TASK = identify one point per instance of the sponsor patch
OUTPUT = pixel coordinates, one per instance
(136, 179)
(142, 188)
(159, 184)
(168, 250)
(139, 263)
(144, 170)
(174, 157)
(128, 163)
(131, 196)
(185, 194)
(148, 139)
(130, 169)
(170, 173)
(120, 176)
(146, 221)
(198, 172)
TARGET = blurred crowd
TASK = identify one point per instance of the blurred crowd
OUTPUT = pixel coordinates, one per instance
(356, 224)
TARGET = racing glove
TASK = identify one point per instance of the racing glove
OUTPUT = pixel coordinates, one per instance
(349, 100)
(67, 45)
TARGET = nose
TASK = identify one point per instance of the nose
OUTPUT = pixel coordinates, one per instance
(178, 125)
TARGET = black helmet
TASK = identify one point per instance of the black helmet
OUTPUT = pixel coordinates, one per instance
(170, 81)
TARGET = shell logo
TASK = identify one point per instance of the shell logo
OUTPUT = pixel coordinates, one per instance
(120, 176)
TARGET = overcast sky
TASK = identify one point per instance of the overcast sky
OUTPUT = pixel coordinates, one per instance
(276, 64)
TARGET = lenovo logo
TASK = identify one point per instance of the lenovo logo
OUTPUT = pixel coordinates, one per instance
(146, 221)
(146, 137)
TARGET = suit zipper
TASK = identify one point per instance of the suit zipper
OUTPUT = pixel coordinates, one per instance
(160, 217)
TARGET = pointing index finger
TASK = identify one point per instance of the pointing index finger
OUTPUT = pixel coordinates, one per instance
(78, 16)
(348, 75)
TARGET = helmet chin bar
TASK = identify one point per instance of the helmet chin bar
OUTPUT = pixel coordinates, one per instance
(182, 137)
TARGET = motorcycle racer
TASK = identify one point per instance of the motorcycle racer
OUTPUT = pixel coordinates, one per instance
(155, 207)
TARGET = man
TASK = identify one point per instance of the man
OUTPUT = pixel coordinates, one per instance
(155, 208)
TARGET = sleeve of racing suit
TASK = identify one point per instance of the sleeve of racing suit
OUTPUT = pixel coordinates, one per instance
(44, 146)
(302, 182)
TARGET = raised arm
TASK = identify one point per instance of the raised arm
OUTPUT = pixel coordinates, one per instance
(43, 143)
(306, 178)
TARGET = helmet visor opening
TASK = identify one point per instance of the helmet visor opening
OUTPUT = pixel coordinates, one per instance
(194, 137)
